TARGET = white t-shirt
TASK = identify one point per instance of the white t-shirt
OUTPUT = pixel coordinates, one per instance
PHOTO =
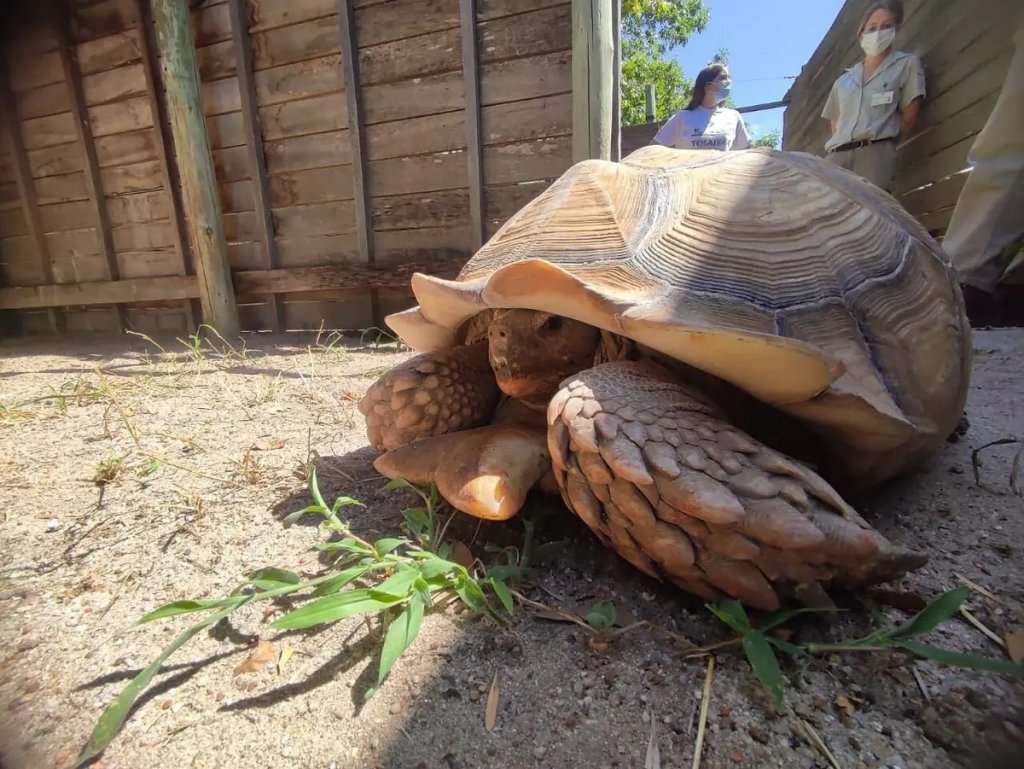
(719, 128)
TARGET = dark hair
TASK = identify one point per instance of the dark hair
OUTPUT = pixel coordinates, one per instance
(895, 7)
(706, 75)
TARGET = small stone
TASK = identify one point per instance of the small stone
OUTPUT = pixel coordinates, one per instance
(895, 762)
(757, 734)
(539, 751)
(395, 709)
(53, 525)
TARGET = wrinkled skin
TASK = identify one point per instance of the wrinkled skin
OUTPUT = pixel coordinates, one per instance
(649, 462)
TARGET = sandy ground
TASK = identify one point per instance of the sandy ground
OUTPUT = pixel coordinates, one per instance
(205, 453)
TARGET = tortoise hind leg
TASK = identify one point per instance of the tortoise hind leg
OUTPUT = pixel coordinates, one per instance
(655, 470)
(430, 394)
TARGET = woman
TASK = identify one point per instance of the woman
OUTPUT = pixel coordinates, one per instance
(875, 103)
(704, 124)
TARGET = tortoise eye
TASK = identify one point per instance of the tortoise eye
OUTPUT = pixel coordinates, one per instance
(552, 324)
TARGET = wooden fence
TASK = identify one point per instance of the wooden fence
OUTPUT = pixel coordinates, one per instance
(965, 46)
(92, 227)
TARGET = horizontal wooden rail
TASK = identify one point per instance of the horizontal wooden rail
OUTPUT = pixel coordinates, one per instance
(246, 283)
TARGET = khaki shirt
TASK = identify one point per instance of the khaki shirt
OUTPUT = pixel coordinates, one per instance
(871, 110)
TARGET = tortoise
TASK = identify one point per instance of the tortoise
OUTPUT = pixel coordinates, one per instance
(703, 354)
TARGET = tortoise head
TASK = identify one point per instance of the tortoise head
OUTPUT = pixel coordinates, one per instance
(531, 352)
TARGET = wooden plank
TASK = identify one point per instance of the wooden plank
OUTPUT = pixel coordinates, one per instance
(357, 133)
(299, 80)
(418, 174)
(254, 146)
(12, 223)
(114, 85)
(47, 100)
(317, 114)
(136, 177)
(938, 136)
(125, 148)
(61, 189)
(231, 163)
(48, 131)
(316, 185)
(938, 166)
(617, 79)
(593, 53)
(141, 207)
(221, 96)
(211, 23)
(471, 74)
(144, 237)
(436, 209)
(108, 52)
(75, 215)
(35, 71)
(246, 283)
(392, 246)
(153, 263)
(102, 19)
(321, 218)
(237, 196)
(306, 152)
(269, 14)
(53, 161)
(121, 117)
(936, 196)
(93, 182)
(526, 161)
(192, 147)
(226, 130)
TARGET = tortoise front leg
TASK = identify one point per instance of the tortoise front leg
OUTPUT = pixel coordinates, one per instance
(656, 472)
(430, 394)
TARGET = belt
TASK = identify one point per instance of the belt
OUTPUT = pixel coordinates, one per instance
(861, 143)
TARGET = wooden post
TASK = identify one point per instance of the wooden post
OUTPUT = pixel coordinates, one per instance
(593, 57)
(93, 183)
(195, 164)
(254, 145)
(11, 125)
(471, 82)
(357, 141)
(617, 80)
(162, 143)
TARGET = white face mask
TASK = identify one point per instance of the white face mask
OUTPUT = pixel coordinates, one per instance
(875, 42)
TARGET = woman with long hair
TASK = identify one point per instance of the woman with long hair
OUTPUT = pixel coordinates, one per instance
(704, 124)
(875, 103)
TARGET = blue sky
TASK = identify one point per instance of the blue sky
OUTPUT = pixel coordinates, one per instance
(766, 42)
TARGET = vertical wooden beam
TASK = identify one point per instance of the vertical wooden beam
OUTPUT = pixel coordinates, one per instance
(471, 81)
(593, 55)
(26, 187)
(195, 164)
(257, 161)
(83, 130)
(357, 139)
(617, 80)
(150, 68)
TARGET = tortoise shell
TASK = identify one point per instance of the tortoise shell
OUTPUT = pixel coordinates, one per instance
(798, 282)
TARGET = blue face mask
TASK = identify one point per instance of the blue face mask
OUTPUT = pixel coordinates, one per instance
(724, 89)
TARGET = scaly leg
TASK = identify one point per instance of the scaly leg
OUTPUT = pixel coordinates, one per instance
(430, 394)
(656, 472)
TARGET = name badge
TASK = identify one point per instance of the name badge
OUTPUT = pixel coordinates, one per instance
(880, 99)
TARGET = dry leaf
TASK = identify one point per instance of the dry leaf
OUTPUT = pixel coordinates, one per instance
(653, 758)
(269, 444)
(782, 633)
(598, 643)
(1015, 645)
(848, 703)
(286, 654)
(623, 616)
(492, 704)
(257, 659)
(462, 555)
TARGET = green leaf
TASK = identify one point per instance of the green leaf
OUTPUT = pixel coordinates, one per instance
(349, 545)
(956, 659)
(398, 483)
(435, 567)
(385, 546)
(341, 502)
(766, 666)
(506, 573)
(314, 490)
(602, 615)
(339, 580)
(332, 608)
(398, 584)
(932, 615)
(471, 594)
(187, 607)
(291, 518)
(505, 595)
(270, 578)
(115, 714)
(786, 648)
(401, 633)
(732, 613)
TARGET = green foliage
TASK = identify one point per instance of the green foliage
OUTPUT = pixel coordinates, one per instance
(760, 647)
(395, 578)
(771, 140)
(663, 24)
(649, 29)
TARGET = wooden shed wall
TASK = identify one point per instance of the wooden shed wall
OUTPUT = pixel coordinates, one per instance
(965, 47)
(414, 152)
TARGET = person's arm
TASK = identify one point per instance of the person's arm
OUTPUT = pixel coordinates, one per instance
(831, 110)
(912, 93)
(742, 138)
(908, 117)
